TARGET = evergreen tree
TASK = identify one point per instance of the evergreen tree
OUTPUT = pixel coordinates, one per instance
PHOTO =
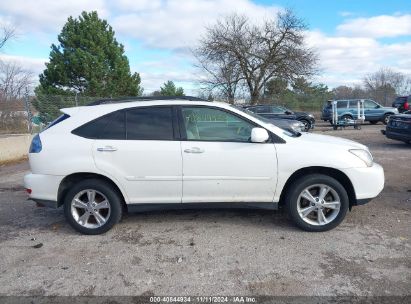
(88, 60)
(170, 89)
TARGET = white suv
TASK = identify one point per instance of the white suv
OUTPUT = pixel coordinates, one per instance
(101, 160)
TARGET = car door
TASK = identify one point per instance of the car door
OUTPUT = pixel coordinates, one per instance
(220, 164)
(372, 110)
(147, 161)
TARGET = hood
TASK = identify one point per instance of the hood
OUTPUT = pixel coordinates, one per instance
(390, 108)
(402, 116)
(313, 139)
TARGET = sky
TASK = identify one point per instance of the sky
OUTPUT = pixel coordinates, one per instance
(352, 37)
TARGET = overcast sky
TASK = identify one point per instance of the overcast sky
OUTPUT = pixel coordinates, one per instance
(352, 37)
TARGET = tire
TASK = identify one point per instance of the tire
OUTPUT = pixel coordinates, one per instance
(307, 124)
(344, 117)
(312, 221)
(373, 122)
(386, 119)
(101, 218)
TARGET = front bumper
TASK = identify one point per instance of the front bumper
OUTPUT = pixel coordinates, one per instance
(368, 182)
(44, 188)
(397, 135)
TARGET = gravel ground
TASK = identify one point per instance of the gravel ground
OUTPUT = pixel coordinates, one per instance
(214, 252)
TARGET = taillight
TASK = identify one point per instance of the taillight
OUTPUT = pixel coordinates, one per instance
(406, 105)
(36, 145)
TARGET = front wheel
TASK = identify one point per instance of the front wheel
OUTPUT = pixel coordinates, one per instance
(346, 117)
(317, 202)
(386, 119)
(307, 124)
(92, 206)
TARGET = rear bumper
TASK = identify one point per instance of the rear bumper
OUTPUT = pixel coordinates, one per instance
(326, 116)
(367, 182)
(45, 203)
(44, 188)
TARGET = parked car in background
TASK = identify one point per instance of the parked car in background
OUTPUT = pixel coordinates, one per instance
(291, 125)
(399, 127)
(280, 112)
(402, 103)
(348, 109)
(128, 155)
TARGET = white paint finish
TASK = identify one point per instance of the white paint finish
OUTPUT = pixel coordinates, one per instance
(229, 172)
(149, 170)
(43, 186)
(368, 182)
(162, 172)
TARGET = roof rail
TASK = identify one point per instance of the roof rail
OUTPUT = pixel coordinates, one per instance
(143, 98)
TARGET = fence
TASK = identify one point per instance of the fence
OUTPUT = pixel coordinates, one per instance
(31, 114)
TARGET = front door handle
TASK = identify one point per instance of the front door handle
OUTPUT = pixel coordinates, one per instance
(107, 149)
(195, 150)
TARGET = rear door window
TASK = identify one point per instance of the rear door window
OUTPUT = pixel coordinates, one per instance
(151, 123)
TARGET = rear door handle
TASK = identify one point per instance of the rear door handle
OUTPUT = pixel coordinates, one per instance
(107, 149)
(195, 150)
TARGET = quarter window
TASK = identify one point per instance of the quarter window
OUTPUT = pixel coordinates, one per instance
(208, 124)
(109, 126)
(153, 123)
(342, 104)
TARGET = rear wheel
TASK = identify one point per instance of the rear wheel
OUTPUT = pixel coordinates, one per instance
(92, 206)
(317, 202)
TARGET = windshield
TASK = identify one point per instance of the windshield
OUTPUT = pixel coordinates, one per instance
(267, 121)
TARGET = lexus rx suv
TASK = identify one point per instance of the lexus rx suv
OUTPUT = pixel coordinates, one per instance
(102, 160)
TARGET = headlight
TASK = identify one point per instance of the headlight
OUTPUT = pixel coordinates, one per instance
(364, 155)
(310, 115)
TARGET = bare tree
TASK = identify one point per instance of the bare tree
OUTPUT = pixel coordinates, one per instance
(275, 48)
(384, 84)
(223, 73)
(13, 80)
(343, 92)
(8, 32)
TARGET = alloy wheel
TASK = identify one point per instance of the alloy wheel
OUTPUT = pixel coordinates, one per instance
(90, 208)
(318, 204)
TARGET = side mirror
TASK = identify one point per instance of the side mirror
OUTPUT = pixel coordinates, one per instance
(377, 106)
(259, 135)
(288, 112)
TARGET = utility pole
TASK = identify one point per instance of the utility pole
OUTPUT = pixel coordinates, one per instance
(28, 110)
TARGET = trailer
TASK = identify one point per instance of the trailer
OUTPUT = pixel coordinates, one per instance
(336, 122)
